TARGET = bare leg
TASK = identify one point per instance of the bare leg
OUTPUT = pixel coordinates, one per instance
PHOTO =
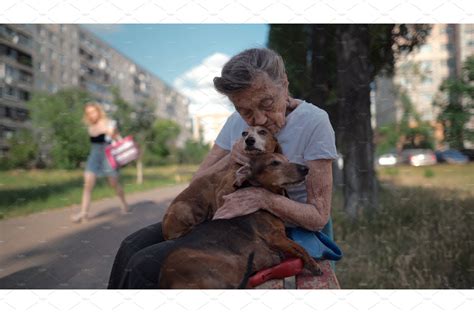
(89, 183)
(114, 182)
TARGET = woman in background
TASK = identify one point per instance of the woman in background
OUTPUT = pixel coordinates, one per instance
(101, 131)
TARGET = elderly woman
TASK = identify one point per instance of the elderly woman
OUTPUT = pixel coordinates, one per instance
(256, 83)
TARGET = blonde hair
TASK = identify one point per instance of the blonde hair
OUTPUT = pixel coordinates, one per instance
(98, 107)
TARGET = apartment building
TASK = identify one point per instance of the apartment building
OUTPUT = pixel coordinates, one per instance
(52, 57)
(420, 74)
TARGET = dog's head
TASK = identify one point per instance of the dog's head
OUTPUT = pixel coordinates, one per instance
(258, 139)
(271, 171)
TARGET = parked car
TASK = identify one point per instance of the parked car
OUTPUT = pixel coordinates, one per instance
(451, 156)
(388, 159)
(469, 153)
(418, 157)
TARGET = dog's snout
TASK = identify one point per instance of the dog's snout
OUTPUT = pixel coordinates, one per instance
(250, 141)
(303, 169)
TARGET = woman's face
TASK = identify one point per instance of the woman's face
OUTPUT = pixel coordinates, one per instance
(92, 114)
(263, 103)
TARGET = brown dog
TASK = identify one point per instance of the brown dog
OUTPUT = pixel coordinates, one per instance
(200, 200)
(223, 253)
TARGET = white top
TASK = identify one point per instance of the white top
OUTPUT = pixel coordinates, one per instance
(306, 136)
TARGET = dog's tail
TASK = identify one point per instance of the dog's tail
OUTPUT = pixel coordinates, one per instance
(248, 272)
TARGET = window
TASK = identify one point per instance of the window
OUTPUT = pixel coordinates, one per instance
(11, 72)
(425, 48)
(425, 66)
(8, 112)
(26, 77)
(23, 95)
(21, 115)
(448, 47)
(427, 80)
(10, 92)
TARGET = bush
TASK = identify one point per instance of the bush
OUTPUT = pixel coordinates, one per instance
(193, 152)
(23, 150)
(429, 173)
(59, 131)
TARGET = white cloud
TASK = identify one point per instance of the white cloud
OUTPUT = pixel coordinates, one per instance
(198, 86)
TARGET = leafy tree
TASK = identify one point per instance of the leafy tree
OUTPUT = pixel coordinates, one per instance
(136, 120)
(458, 108)
(58, 128)
(193, 152)
(335, 73)
(23, 150)
(160, 141)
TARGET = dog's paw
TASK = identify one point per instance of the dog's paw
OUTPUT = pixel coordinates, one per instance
(314, 268)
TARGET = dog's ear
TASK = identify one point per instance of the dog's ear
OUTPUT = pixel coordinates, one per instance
(278, 149)
(242, 175)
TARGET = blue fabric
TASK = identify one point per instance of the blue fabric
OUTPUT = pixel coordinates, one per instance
(97, 162)
(317, 244)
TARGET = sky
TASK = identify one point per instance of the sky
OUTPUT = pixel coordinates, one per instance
(185, 56)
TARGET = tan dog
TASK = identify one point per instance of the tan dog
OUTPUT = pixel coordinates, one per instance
(200, 200)
(223, 253)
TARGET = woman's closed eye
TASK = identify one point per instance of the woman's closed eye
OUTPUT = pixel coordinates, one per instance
(267, 104)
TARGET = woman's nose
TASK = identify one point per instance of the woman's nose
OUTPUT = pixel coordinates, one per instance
(259, 118)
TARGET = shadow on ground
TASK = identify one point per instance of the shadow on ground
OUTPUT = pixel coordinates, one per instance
(82, 259)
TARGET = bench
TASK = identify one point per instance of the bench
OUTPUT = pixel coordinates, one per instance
(305, 280)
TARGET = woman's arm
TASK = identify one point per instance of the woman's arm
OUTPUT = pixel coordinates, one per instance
(312, 215)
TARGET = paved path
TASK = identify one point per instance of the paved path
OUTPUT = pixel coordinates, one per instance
(47, 251)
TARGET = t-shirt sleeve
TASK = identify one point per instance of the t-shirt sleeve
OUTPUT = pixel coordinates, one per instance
(224, 139)
(321, 143)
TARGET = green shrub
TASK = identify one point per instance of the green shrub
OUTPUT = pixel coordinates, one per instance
(429, 173)
(23, 150)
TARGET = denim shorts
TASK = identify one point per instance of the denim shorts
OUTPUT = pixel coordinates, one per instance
(97, 162)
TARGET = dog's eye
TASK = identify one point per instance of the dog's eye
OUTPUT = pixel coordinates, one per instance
(244, 134)
(262, 132)
(275, 163)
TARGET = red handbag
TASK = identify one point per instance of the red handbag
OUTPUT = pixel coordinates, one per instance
(122, 152)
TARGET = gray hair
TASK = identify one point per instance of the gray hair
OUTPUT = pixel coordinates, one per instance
(238, 73)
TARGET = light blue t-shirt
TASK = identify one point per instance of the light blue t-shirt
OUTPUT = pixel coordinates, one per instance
(306, 136)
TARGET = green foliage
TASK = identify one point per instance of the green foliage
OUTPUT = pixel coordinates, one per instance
(23, 150)
(193, 152)
(123, 113)
(457, 109)
(429, 173)
(387, 41)
(161, 142)
(404, 135)
(294, 55)
(391, 171)
(58, 127)
(389, 136)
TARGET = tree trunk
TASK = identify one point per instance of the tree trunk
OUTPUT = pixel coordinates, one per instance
(322, 80)
(139, 171)
(355, 137)
(319, 65)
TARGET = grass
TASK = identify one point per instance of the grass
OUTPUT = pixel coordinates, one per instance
(420, 236)
(29, 191)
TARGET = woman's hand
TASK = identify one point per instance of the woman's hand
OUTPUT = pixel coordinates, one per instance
(244, 201)
(237, 154)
